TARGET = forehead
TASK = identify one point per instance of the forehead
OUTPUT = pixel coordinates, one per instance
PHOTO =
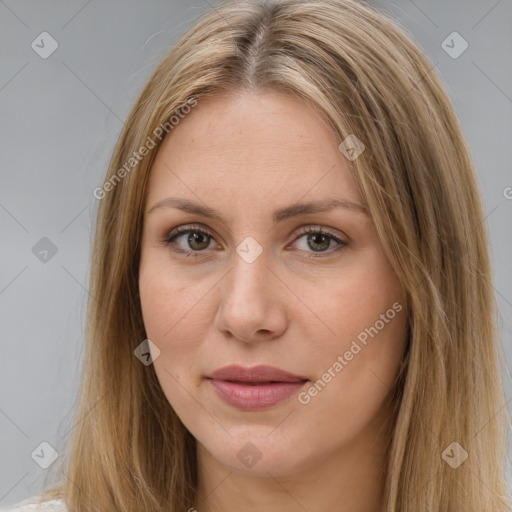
(256, 145)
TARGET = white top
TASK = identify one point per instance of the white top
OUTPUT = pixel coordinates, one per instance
(31, 505)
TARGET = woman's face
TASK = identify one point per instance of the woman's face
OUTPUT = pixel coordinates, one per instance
(255, 277)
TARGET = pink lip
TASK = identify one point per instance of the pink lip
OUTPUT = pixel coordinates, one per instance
(254, 388)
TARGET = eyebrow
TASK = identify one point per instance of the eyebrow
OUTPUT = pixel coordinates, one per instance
(279, 215)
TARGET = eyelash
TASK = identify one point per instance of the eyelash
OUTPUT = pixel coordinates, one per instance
(170, 239)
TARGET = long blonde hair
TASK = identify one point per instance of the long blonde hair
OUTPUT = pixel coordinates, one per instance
(129, 451)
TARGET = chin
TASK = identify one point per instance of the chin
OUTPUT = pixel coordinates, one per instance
(259, 456)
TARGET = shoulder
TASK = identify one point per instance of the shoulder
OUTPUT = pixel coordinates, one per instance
(32, 505)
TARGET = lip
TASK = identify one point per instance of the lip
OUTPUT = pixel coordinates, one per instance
(259, 387)
(260, 374)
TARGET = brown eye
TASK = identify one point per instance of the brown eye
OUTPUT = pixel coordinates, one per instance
(198, 241)
(319, 241)
(189, 239)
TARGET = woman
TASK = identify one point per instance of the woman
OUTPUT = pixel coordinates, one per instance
(291, 302)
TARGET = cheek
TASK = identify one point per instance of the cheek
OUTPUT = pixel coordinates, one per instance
(358, 367)
(176, 320)
(367, 349)
(358, 303)
(362, 348)
(169, 304)
(171, 318)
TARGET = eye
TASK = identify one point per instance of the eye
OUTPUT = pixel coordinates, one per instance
(317, 241)
(198, 240)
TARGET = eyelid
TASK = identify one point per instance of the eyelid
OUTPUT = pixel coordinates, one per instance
(312, 228)
(185, 228)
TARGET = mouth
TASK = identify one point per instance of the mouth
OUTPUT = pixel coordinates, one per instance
(255, 388)
(255, 383)
(255, 375)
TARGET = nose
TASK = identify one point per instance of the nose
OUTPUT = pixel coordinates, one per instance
(251, 302)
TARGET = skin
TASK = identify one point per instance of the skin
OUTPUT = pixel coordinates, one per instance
(246, 155)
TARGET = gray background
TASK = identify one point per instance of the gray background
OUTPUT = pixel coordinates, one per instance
(60, 117)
